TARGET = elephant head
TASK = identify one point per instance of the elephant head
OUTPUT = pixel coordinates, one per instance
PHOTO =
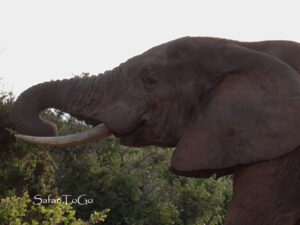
(219, 103)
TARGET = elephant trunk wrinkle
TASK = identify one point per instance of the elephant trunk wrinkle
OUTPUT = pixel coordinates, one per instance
(81, 97)
(64, 95)
(30, 103)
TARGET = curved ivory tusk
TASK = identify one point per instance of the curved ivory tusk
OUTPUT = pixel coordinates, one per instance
(96, 133)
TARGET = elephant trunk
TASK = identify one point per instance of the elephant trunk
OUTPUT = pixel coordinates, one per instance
(73, 96)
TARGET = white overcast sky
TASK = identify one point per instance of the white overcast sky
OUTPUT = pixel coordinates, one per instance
(43, 40)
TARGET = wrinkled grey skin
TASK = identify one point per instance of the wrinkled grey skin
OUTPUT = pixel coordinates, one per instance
(227, 107)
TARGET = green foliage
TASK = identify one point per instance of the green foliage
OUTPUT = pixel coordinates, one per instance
(27, 170)
(99, 217)
(137, 186)
(127, 185)
(6, 103)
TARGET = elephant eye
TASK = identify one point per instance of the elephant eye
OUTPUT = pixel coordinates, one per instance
(149, 82)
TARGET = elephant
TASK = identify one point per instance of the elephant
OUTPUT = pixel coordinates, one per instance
(227, 107)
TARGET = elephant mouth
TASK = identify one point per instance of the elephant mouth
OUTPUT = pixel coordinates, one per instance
(131, 138)
(144, 134)
(130, 132)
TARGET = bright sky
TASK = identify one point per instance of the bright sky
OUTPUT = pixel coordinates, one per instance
(44, 40)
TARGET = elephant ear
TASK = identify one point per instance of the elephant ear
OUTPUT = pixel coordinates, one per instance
(253, 115)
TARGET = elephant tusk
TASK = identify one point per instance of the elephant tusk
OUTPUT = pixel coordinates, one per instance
(96, 133)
